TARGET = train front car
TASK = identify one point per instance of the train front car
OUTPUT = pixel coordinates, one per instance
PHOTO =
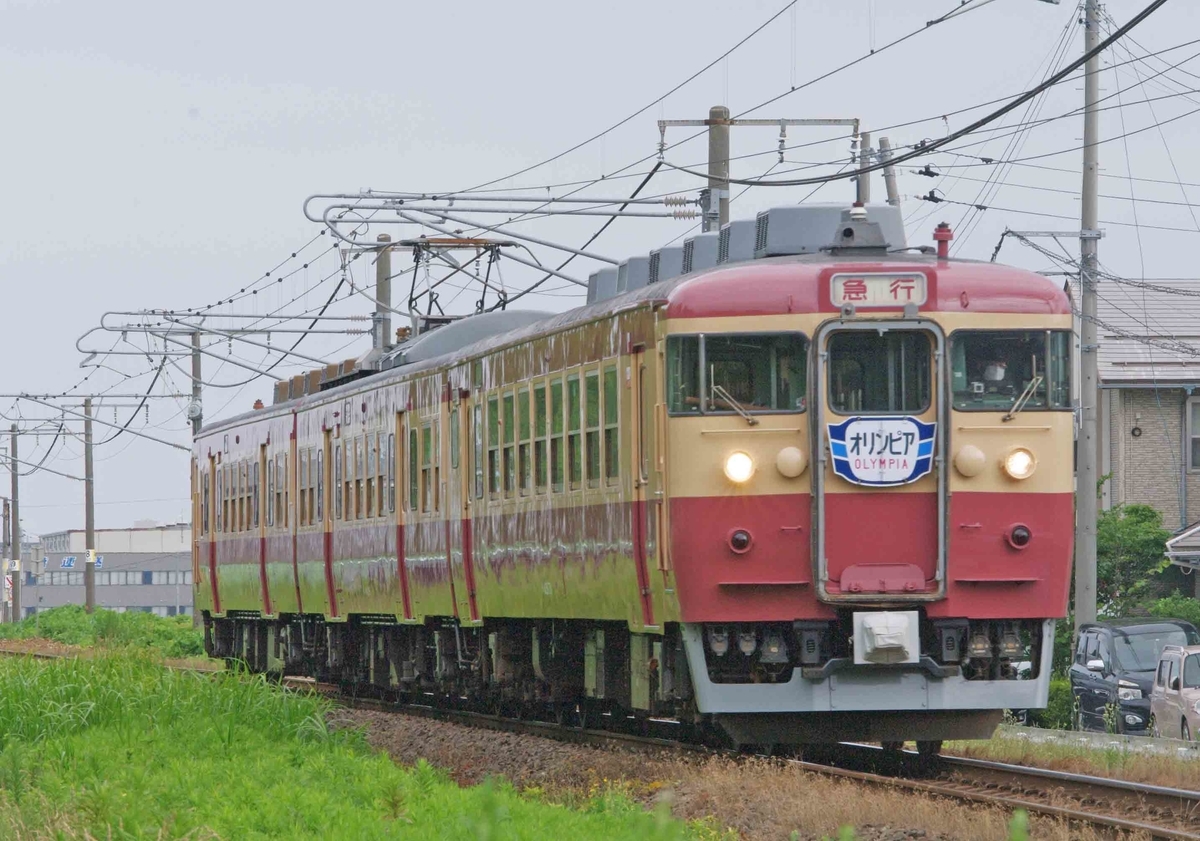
(870, 489)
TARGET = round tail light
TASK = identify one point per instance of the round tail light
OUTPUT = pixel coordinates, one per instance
(1019, 536)
(740, 540)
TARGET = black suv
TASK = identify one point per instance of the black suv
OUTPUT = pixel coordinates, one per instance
(1114, 670)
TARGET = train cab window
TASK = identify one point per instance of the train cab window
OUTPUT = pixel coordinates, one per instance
(493, 446)
(995, 370)
(524, 445)
(591, 435)
(574, 437)
(541, 474)
(871, 371)
(724, 374)
(556, 436)
(612, 459)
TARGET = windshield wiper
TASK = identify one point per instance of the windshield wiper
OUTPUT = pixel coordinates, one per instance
(1023, 398)
(726, 397)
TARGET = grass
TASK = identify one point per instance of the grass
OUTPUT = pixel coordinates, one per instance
(169, 636)
(117, 747)
(1110, 761)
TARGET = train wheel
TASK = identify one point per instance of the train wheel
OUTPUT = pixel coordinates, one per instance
(929, 749)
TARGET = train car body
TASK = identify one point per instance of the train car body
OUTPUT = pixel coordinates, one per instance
(799, 498)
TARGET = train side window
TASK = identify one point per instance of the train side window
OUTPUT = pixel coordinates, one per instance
(994, 370)
(612, 458)
(427, 504)
(414, 473)
(241, 496)
(574, 437)
(556, 436)
(270, 492)
(738, 372)
(369, 502)
(359, 476)
(540, 468)
(493, 446)
(508, 427)
(278, 470)
(592, 427)
(254, 494)
(380, 469)
(314, 456)
(287, 491)
(204, 477)
(524, 454)
(321, 485)
(302, 477)
(477, 434)
(455, 435)
(337, 482)
(391, 472)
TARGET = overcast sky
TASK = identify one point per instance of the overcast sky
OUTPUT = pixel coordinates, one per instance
(157, 156)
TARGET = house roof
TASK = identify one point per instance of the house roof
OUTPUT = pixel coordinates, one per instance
(1148, 333)
(1184, 548)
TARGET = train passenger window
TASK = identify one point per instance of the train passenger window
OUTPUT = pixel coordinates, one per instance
(455, 433)
(612, 461)
(722, 374)
(302, 476)
(540, 468)
(493, 446)
(359, 476)
(994, 370)
(369, 502)
(254, 493)
(574, 438)
(204, 479)
(287, 491)
(321, 486)
(241, 497)
(221, 511)
(414, 474)
(280, 482)
(524, 456)
(337, 482)
(391, 472)
(270, 492)
(556, 436)
(477, 434)
(380, 488)
(509, 428)
(428, 470)
(591, 435)
(314, 467)
(879, 371)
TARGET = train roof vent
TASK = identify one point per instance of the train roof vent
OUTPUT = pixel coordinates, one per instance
(459, 334)
(666, 263)
(810, 228)
(737, 241)
(633, 273)
(700, 252)
(602, 284)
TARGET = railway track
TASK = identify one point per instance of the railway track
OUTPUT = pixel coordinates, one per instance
(1111, 806)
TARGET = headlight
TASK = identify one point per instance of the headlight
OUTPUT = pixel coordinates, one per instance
(1020, 463)
(739, 467)
(1127, 690)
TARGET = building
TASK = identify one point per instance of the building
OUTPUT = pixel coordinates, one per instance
(147, 569)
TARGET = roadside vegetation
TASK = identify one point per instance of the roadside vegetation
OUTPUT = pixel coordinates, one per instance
(172, 637)
(115, 746)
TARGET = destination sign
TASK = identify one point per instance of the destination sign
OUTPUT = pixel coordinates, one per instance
(882, 451)
(878, 290)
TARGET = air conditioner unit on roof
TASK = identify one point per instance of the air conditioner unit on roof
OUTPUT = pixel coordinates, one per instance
(666, 263)
(737, 241)
(808, 228)
(602, 284)
(633, 273)
(700, 252)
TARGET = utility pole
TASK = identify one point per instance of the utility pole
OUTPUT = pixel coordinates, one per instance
(15, 549)
(197, 410)
(863, 181)
(714, 199)
(1086, 473)
(89, 510)
(383, 295)
(889, 172)
(718, 165)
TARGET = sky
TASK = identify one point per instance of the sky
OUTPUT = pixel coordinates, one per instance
(158, 156)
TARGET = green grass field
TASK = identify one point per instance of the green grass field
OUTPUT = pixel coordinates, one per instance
(172, 637)
(118, 747)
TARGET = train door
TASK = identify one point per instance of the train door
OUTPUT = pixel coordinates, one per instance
(457, 513)
(647, 495)
(880, 492)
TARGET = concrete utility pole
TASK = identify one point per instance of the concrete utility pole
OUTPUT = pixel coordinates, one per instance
(889, 172)
(197, 394)
(89, 510)
(15, 549)
(383, 295)
(1086, 473)
(863, 182)
(718, 165)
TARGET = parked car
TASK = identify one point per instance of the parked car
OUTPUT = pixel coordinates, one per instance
(1114, 669)
(1175, 699)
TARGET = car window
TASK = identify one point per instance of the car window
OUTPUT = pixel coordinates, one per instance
(1191, 671)
(1174, 674)
(1160, 678)
(1138, 651)
(1093, 647)
(1081, 649)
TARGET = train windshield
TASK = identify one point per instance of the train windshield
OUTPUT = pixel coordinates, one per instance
(720, 374)
(879, 371)
(991, 370)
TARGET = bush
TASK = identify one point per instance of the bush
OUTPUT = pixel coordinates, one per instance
(1060, 708)
(1177, 606)
(170, 636)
